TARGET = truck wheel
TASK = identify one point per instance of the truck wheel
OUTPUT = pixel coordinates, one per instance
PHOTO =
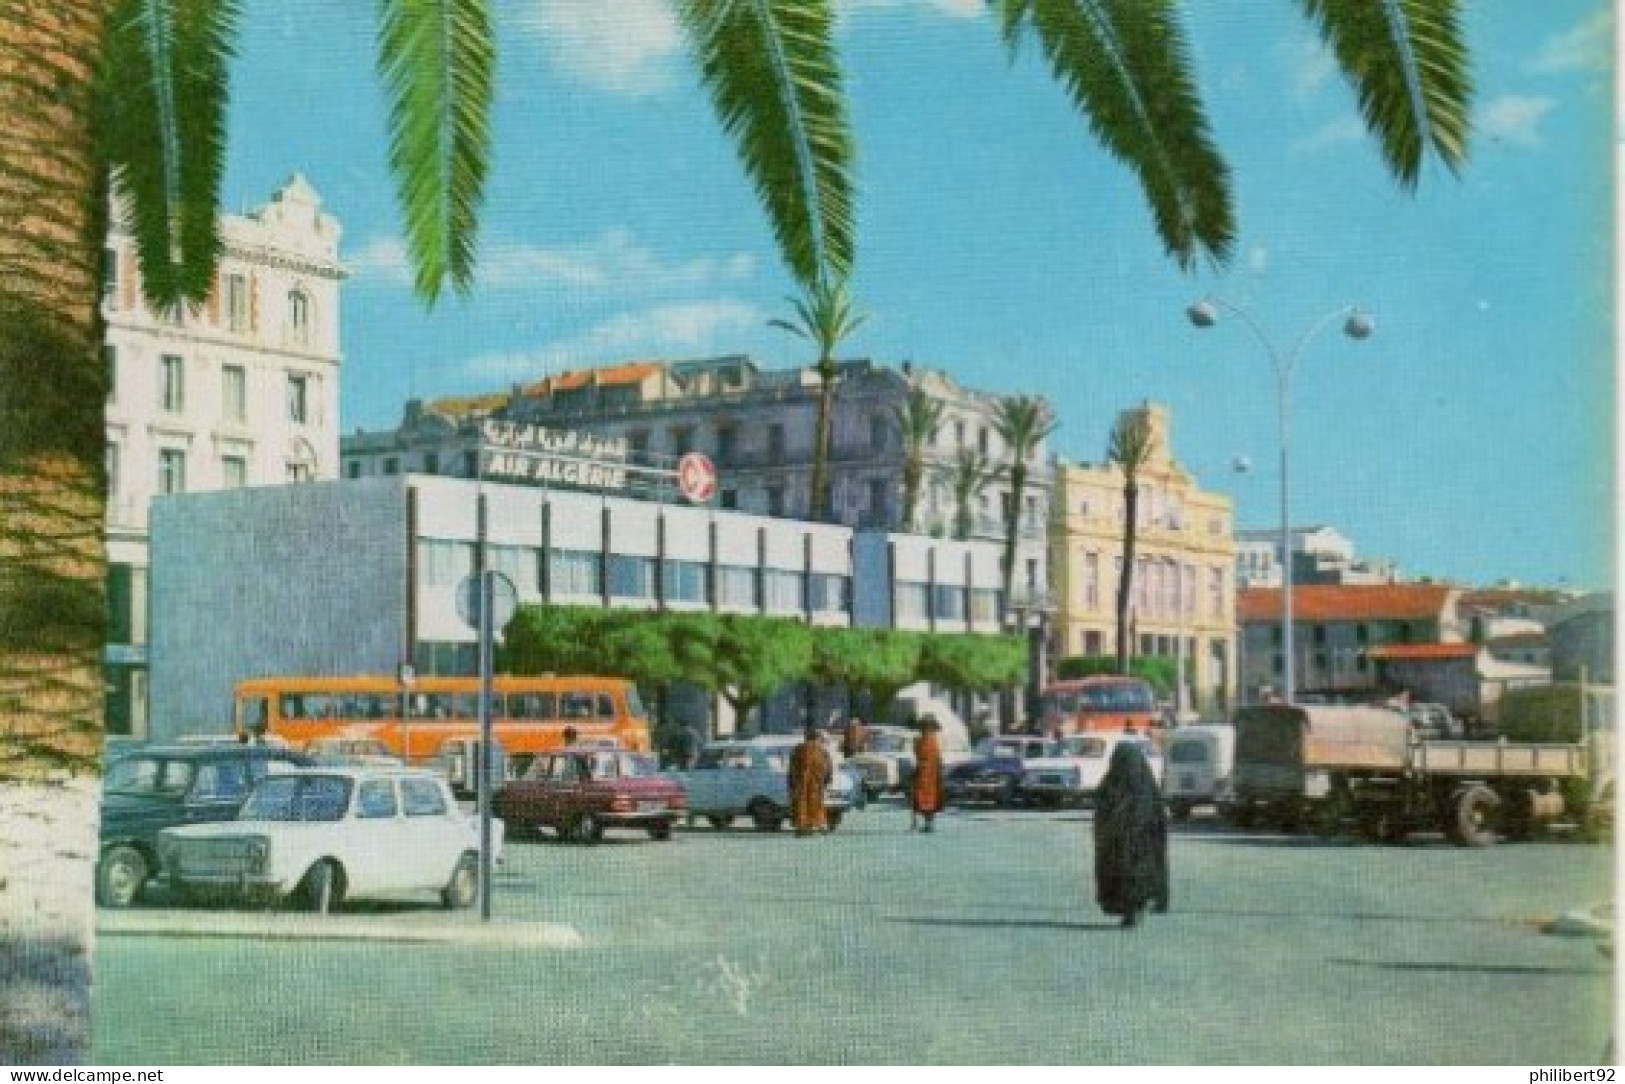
(1243, 815)
(1473, 813)
(121, 877)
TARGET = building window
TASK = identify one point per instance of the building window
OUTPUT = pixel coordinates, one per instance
(299, 315)
(300, 470)
(392, 465)
(431, 462)
(1093, 643)
(736, 588)
(236, 302)
(352, 469)
(948, 603)
(1091, 580)
(109, 273)
(828, 593)
(684, 581)
(171, 471)
(775, 500)
(471, 464)
(727, 444)
(784, 591)
(1275, 635)
(913, 600)
(1362, 634)
(775, 442)
(983, 441)
(877, 432)
(877, 497)
(959, 434)
(521, 564)
(631, 577)
(110, 370)
(575, 572)
(298, 398)
(984, 605)
(682, 440)
(442, 563)
(730, 498)
(233, 393)
(1215, 588)
(112, 469)
(233, 471)
(1320, 635)
(637, 443)
(172, 383)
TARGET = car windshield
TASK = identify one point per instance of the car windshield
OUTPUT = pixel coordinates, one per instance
(298, 798)
(1082, 746)
(887, 743)
(149, 775)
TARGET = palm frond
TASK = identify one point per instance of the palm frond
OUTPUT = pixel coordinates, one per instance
(161, 93)
(437, 60)
(1408, 63)
(825, 316)
(1127, 69)
(1023, 422)
(774, 76)
(1132, 441)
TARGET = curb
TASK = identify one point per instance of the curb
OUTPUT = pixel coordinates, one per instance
(338, 928)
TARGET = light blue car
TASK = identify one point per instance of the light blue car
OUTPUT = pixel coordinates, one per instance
(750, 778)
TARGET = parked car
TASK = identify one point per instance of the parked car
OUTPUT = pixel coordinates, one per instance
(354, 752)
(887, 761)
(320, 836)
(1071, 773)
(751, 778)
(1201, 767)
(994, 774)
(150, 788)
(581, 791)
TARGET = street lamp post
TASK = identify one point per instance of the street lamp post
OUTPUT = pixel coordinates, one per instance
(1356, 325)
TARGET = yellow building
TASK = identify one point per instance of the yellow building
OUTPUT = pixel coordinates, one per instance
(1183, 602)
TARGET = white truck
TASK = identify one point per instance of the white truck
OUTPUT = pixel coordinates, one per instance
(1201, 761)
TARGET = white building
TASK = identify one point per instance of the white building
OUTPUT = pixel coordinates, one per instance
(1320, 555)
(242, 391)
(353, 577)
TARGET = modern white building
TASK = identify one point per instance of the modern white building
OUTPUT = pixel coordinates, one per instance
(358, 576)
(242, 391)
(1320, 555)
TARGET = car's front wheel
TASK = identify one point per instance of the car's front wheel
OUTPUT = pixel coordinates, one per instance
(464, 887)
(121, 876)
(765, 815)
(321, 890)
(588, 828)
(719, 821)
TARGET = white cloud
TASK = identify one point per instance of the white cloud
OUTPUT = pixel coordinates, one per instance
(685, 328)
(1514, 119)
(1335, 134)
(383, 259)
(1589, 47)
(612, 263)
(953, 9)
(626, 47)
(1312, 65)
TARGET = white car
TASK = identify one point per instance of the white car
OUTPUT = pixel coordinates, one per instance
(1071, 775)
(323, 835)
(751, 778)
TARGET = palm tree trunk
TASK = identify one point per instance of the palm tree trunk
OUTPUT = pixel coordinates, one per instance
(913, 474)
(53, 616)
(1012, 528)
(1125, 582)
(818, 500)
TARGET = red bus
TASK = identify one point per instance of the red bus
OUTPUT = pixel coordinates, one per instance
(1102, 702)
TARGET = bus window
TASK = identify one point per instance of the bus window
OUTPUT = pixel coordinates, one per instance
(531, 705)
(634, 703)
(293, 707)
(606, 706)
(575, 705)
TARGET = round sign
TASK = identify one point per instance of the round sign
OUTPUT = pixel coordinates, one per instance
(696, 477)
(504, 600)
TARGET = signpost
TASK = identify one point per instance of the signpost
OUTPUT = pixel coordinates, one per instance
(484, 601)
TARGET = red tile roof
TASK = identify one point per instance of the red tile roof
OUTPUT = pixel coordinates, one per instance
(1424, 652)
(1374, 602)
(633, 372)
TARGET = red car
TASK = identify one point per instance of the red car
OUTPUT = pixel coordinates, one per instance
(579, 792)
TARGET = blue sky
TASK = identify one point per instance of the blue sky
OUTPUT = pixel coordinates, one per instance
(1470, 438)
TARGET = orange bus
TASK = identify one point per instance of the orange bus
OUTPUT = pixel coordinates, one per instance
(1111, 702)
(528, 714)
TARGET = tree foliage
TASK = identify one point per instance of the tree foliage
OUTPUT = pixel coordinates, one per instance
(972, 663)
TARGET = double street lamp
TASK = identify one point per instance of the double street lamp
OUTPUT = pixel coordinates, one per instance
(1356, 325)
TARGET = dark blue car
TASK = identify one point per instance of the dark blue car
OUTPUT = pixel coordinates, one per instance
(994, 776)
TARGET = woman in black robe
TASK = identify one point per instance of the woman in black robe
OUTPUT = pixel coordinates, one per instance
(1131, 837)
